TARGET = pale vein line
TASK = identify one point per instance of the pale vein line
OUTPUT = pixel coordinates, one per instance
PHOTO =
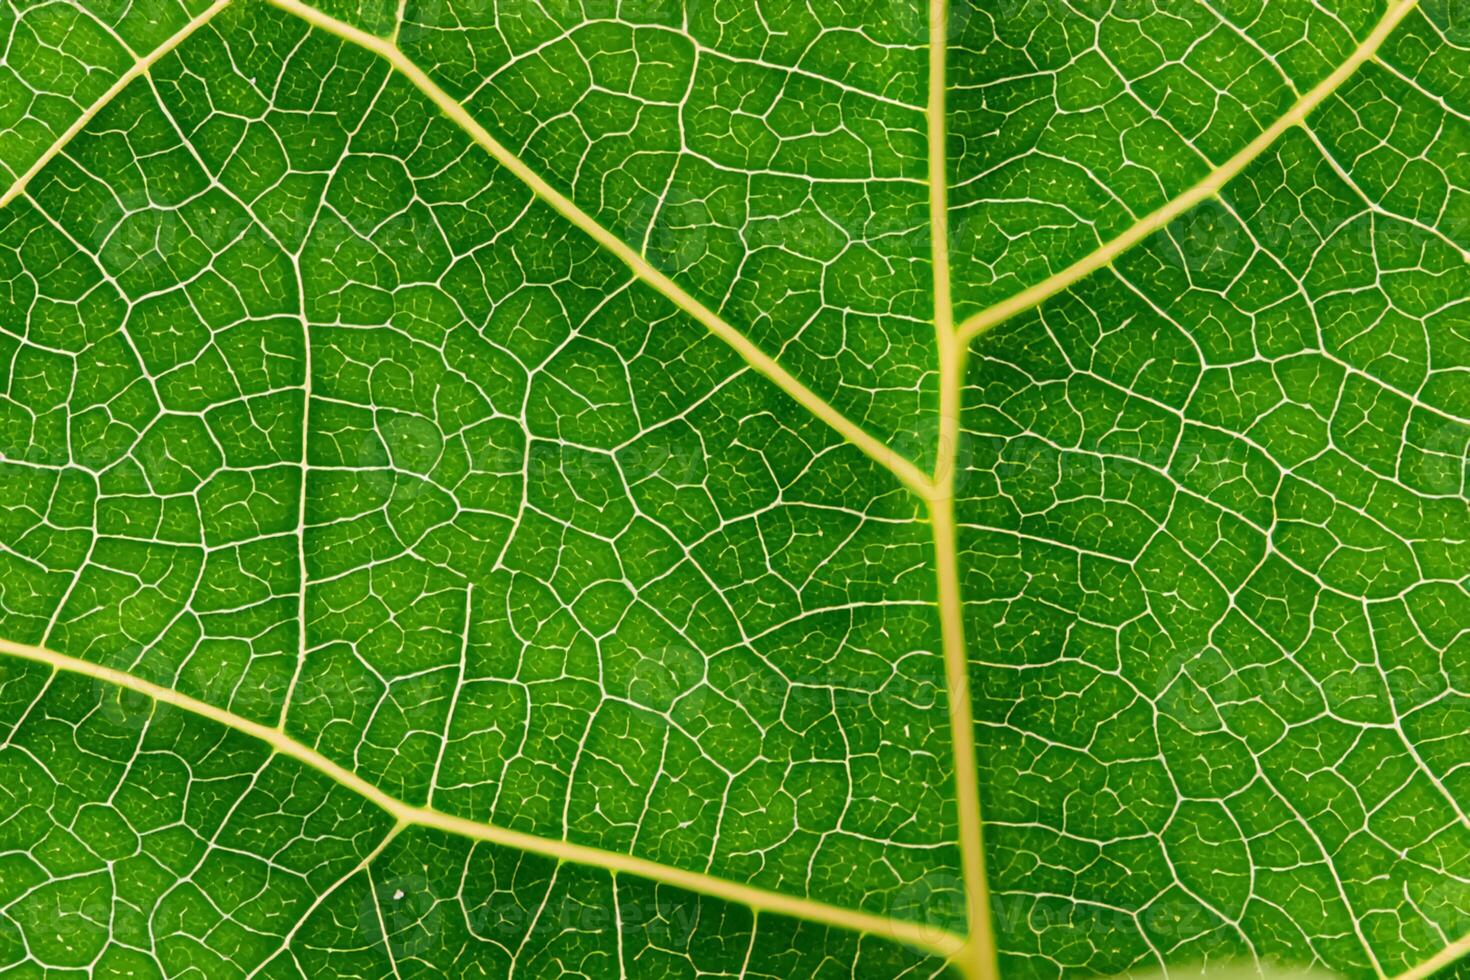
(138, 69)
(464, 656)
(978, 960)
(897, 464)
(398, 19)
(382, 924)
(930, 938)
(1445, 957)
(357, 869)
(1205, 189)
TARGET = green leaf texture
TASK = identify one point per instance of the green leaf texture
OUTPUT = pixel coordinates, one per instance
(734, 488)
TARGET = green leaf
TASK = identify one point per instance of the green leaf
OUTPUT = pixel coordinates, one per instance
(672, 489)
(61, 59)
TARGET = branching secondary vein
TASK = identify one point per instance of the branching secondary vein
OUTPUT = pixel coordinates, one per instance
(912, 933)
(1211, 185)
(900, 466)
(138, 70)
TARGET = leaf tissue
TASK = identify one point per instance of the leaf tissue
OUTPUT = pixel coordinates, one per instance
(734, 488)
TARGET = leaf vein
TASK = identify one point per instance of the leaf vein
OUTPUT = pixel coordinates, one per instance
(919, 935)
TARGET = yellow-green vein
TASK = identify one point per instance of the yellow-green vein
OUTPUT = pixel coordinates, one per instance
(899, 465)
(1207, 188)
(138, 69)
(922, 936)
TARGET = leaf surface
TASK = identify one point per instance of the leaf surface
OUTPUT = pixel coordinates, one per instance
(489, 489)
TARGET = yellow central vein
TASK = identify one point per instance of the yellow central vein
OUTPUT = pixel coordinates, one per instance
(979, 322)
(978, 959)
(926, 937)
(138, 69)
(759, 360)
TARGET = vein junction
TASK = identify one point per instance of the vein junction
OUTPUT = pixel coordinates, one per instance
(384, 453)
(572, 430)
(404, 815)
